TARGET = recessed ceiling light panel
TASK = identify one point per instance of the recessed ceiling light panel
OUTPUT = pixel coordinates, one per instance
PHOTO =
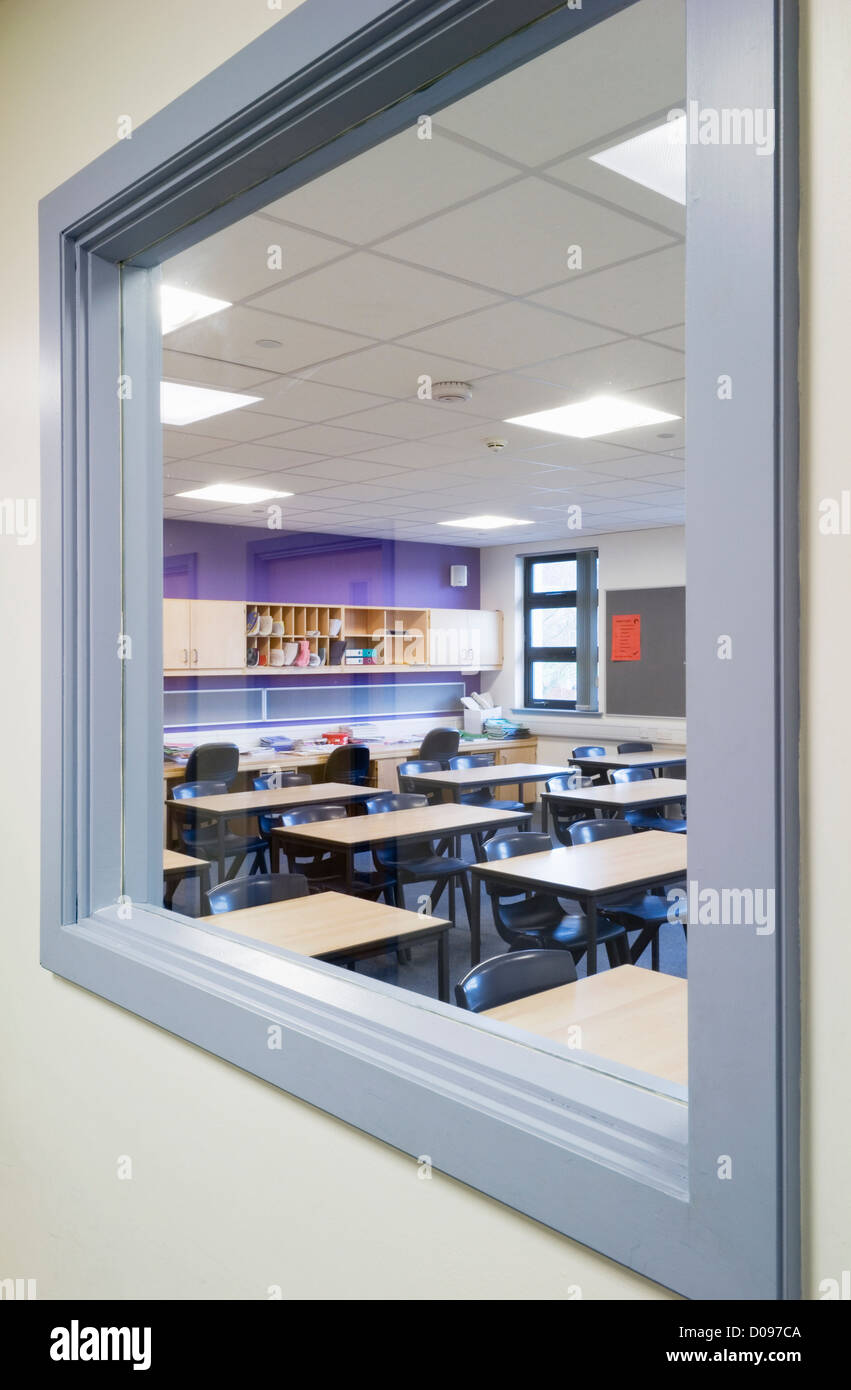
(656, 159)
(599, 415)
(179, 307)
(233, 492)
(485, 523)
(182, 405)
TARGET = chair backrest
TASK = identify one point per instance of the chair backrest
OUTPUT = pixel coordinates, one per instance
(213, 762)
(525, 842)
(349, 763)
(583, 832)
(502, 979)
(405, 771)
(466, 760)
(631, 774)
(441, 744)
(256, 891)
(185, 791)
(568, 782)
(267, 781)
(589, 750)
(395, 801)
(306, 815)
(638, 747)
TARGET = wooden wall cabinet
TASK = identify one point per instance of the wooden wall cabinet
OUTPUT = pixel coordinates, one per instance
(203, 635)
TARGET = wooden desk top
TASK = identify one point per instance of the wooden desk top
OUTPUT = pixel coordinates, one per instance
(423, 823)
(673, 753)
(482, 776)
(273, 799)
(327, 923)
(601, 867)
(628, 1015)
(174, 862)
(621, 795)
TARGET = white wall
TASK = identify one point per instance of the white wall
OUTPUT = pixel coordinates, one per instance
(628, 560)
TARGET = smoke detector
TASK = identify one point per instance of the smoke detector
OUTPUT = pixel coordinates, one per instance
(495, 444)
(451, 391)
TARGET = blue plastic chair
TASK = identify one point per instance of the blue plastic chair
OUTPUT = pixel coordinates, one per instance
(564, 813)
(653, 818)
(256, 892)
(502, 979)
(589, 750)
(538, 919)
(645, 914)
(349, 764)
(325, 870)
(638, 746)
(440, 745)
(200, 837)
(416, 861)
(270, 820)
(213, 762)
(405, 771)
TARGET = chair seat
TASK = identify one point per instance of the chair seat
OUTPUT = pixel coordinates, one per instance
(363, 884)
(429, 866)
(651, 908)
(645, 820)
(204, 843)
(483, 796)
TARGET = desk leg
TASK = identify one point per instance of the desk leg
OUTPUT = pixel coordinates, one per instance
(350, 869)
(452, 898)
(591, 918)
(443, 967)
(203, 887)
(221, 849)
(475, 919)
(544, 817)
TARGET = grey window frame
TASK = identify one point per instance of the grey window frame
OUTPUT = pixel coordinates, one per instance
(605, 1156)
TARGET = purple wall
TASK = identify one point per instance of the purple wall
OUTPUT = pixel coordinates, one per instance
(230, 562)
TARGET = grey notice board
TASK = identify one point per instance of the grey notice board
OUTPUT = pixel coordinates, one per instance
(656, 682)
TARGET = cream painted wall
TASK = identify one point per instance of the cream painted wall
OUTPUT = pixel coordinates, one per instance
(235, 1187)
(826, 575)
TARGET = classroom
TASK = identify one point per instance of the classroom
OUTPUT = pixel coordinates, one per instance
(424, 562)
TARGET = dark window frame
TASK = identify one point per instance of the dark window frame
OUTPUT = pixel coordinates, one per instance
(585, 654)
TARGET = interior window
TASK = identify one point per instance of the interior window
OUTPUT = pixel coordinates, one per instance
(456, 357)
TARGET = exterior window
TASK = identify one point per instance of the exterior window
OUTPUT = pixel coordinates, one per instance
(560, 630)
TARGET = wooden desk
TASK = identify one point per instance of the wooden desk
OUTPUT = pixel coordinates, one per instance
(628, 1015)
(178, 866)
(335, 927)
(228, 805)
(670, 756)
(620, 797)
(357, 833)
(466, 779)
(590, 872)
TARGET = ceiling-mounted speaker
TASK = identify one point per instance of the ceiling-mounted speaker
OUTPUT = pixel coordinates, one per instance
(458, 576)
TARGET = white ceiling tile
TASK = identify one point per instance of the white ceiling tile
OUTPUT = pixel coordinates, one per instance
(426, 175)
(233, 336)
(328, 439)
(627, 487)
(178, 443)
(361, 492)
(581, 173)
(669, 479)
(639, 465)
(509, 336)
(258, 458)
(411, 419)
(674, 337)
(354, 470)
(391, 370)
(206, 371)
(297, 398)
(374, 296)
(517, 239)
(240, 427)
(610, 76)
(206, 470)
(627, 365)
(640, 296)
(234, 263)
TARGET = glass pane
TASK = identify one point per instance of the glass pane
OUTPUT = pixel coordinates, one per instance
(554, 680)
(553, 627)
(553, 576)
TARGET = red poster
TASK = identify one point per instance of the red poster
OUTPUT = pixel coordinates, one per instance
(626, 637)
